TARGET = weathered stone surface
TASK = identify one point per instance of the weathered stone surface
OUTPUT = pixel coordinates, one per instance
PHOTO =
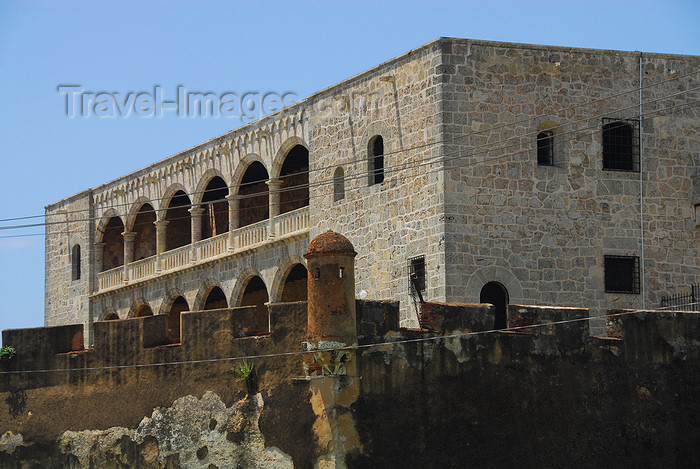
(192, 433)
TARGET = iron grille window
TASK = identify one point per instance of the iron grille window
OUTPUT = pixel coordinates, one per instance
(416, 267)
(545, 148)
(620, 144)
(621, 274)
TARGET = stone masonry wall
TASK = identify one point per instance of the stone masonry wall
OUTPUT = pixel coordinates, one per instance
(400, 218)
(66, 300)
(543, 231)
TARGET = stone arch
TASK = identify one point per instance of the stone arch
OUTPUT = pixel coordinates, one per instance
(204, 289)
(141, 221)
(496, 294)
(204, 180)
(214, 203)
(377, 128)
(134, 211)
(294, 179)
(104, 219)
(173, 307)
(493, 273)
(241, 281)
(283, 270)
(251, 290)
(113, 248)
(167, 195)
(178, 230)
(241, 168)
(282, 152)
(140, 307)
(108, 314)
(253, 191)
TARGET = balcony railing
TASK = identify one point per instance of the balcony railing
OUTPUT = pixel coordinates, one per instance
(175, 258)
(143, 268)
(110, 278)
(251, 235)
(245, 238)
(293, 221)
(212, 247)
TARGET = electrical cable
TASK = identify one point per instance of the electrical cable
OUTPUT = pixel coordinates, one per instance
(347, 348)
(474, 133)
(388, 169)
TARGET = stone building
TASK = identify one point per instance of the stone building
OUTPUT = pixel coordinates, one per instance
(466, 171)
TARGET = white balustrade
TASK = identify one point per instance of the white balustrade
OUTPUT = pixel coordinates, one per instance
(175, 258)
(212, 247)
(251, 234)
(142, 268)
(293, 221)
(110, 278)
(246, 238)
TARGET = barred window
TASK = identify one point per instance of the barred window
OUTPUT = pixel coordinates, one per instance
(621, 274)
(620, 145)
(545, 148)
(416, 268)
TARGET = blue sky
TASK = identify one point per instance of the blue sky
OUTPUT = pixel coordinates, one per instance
(298, 47)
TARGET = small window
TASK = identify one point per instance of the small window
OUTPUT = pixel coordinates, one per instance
(545, 148)
(621, 274)
(416, 268)
(376, 160)
(341, 273)
(75, 262)
(338, 184)
(620, 145)
(317, 273)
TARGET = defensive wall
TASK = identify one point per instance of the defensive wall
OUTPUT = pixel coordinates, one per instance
(455, 393)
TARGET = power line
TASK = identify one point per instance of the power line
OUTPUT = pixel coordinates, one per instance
(492, 147)
(429, 144)
(457, 335)
(388, 169)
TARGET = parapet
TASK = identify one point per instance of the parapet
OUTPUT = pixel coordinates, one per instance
(38, 343)
(656, 336)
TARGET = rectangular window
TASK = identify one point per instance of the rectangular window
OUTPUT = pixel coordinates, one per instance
(545, 148)
(620, 144)
(621, 274)
(416, 270)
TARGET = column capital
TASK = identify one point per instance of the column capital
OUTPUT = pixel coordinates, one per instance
(196, 210)
(233, 197)
(161, 223)
(274, 184)
(129, 235)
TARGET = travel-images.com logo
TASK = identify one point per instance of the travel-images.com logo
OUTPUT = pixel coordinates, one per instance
(184, 103)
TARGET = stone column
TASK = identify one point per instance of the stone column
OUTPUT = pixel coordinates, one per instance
(99, 250)
(274, 195)
(161, 236)
(232, 220)
(196, 224)
(129, 237)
